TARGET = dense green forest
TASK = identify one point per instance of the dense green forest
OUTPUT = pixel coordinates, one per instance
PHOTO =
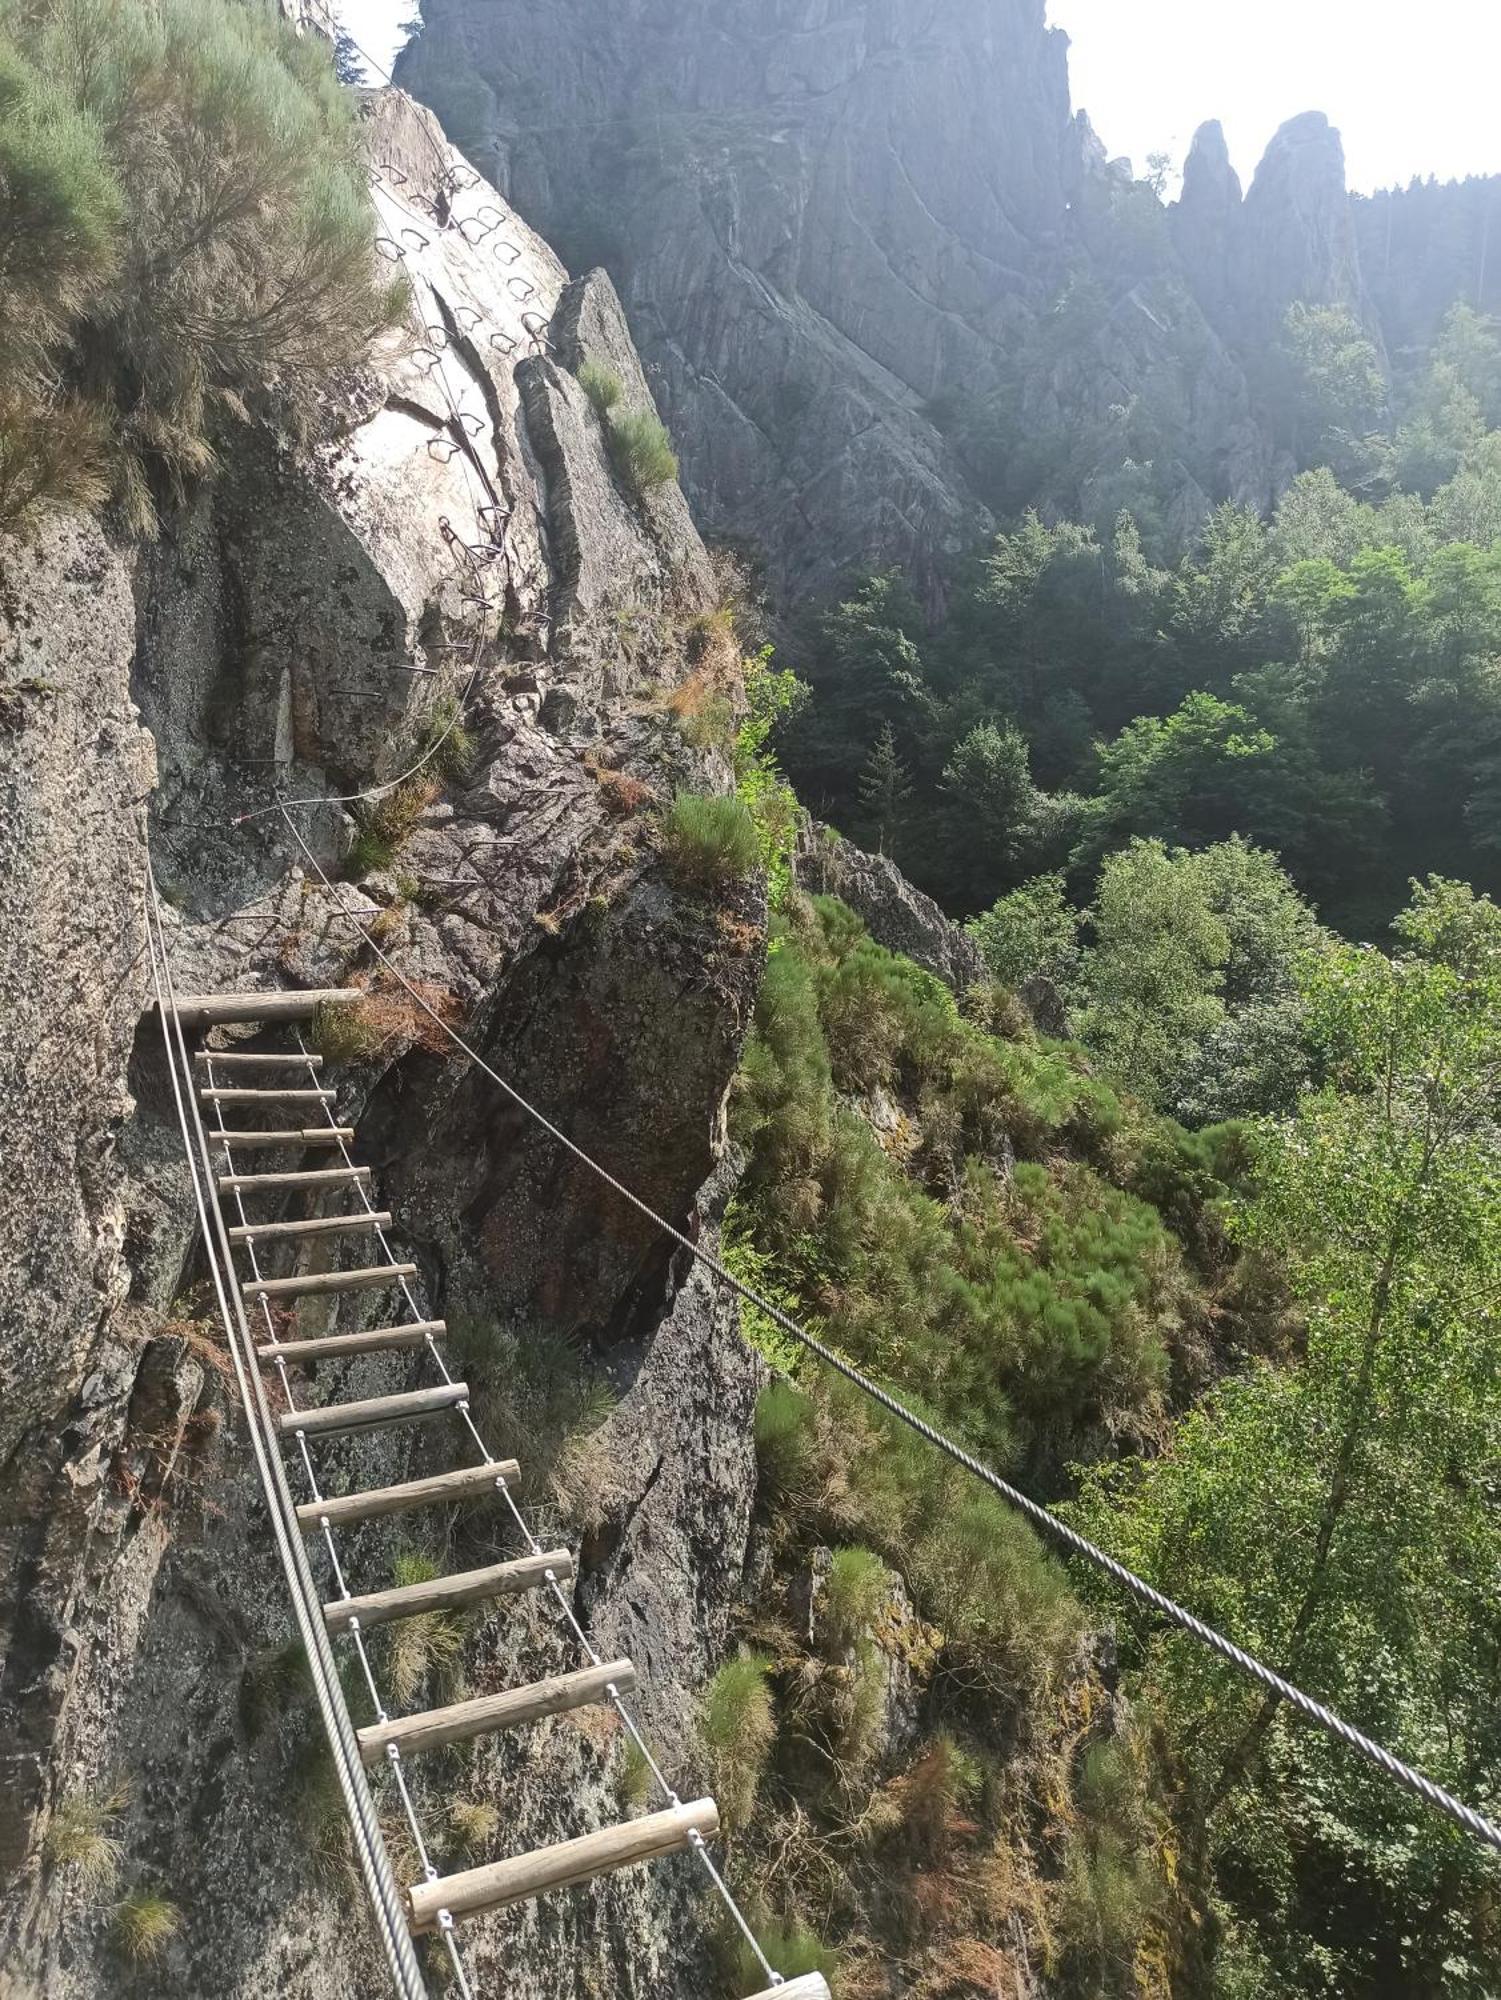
(1219, 1277)
(1322, 684)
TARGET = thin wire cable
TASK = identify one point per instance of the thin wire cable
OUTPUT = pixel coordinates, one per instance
(559, 1595)
(384, 1895)
(1057, 1530)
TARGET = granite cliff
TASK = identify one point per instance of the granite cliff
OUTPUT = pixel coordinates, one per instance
(840, 230)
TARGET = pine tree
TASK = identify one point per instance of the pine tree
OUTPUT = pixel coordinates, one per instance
(885, 790)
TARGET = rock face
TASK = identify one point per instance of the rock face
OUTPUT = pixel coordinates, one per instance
(300, 628)
(897, 916)
(883, 281)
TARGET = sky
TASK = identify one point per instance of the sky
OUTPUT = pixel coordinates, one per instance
(375, 25)
(1412, 89)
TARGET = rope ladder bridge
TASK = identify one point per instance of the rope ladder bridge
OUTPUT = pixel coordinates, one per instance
(234, 1197)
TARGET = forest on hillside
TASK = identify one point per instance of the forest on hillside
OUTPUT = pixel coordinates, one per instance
(1233, 1302)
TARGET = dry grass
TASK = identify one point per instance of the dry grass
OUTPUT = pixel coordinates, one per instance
(623, 795)
(144, 1925)
(81, 1836)
(386, 1022)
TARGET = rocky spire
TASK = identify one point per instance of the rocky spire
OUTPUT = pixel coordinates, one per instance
(1205, 221)
(1297, 234)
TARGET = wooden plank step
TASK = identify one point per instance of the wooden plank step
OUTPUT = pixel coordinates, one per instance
(315, 1177)
(562, 1866)
(449, 1593)
(811, 1986)
(238, 1093)
(327, 1281)
(369, 1414)
(464, 1720)
(203, 1010)
(378, 1340)
(243, 1058)
(307, 1135)
(319, 1225)
(437, 1491)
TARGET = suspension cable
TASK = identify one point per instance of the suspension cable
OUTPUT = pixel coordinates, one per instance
(1042, 1518)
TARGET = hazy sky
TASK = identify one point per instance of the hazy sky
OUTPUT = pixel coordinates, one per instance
(1413, 89)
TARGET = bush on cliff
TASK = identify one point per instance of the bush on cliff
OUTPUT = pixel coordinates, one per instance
(186, 228)
(642, 450)
(710, 842)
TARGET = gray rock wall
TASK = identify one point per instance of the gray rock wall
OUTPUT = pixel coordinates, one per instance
(830, 223)
(267, 642)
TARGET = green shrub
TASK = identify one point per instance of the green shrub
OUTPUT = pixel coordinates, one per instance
(642, 450)
(710, 842)
(182, 179)
(856, 1589)
(738, 1726)
(784, 1439)
(80, 1835)
(602, 386)
(145, 1923)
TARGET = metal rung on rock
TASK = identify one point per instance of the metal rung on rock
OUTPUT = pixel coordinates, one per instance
(464, 1720)
(449, 1593)
(327, 1281)
(812, 1986)
(372, 1412)
(561, 1867)
(378, 1340)
(440, 1490)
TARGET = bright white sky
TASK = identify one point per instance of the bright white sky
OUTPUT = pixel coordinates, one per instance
(1412, 88)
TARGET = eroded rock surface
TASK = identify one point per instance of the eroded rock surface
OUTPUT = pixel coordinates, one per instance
(303, 628)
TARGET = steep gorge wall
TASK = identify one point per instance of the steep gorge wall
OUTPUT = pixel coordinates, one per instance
(833, 222)
(265, 644)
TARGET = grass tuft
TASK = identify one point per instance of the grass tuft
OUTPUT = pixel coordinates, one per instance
(738, 1726)
(642, 450)
(145, 1923)
(710, 842)
(80, 1835)
(602, 386)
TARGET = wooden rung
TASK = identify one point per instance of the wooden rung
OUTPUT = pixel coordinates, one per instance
(243, 1058)
(561, 1867)
(320, 1225)
(327, 1281)
(376, 1500)
(332, 1345)
(203, 1010)
(449, 1593)
(812, 1986)
(315, 1177)
(372, 1412)
(244, 1094)
(308, 1135)
(465, 1720)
